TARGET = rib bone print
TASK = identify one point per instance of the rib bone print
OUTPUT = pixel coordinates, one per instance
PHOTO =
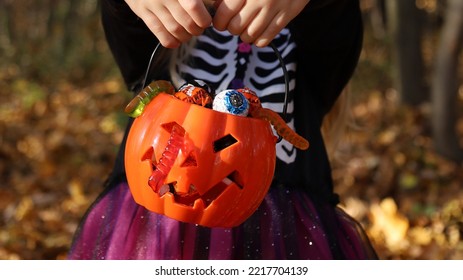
(225, 62)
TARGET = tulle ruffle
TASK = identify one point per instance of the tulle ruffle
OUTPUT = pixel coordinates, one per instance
(287, 225)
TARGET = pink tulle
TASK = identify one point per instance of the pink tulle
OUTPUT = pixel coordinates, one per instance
(287, 225)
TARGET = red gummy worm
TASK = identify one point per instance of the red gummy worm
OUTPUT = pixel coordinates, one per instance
(174, 144)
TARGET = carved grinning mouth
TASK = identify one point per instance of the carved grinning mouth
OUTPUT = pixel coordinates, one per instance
(207, 198)
(161, 169)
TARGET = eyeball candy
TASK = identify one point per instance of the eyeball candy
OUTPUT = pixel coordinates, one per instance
(231, 101)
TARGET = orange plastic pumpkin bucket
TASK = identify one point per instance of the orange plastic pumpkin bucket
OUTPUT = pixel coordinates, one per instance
(221, 173)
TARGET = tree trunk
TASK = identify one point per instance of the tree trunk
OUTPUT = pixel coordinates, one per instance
(445, 83)
(405, 28)
(377, 19)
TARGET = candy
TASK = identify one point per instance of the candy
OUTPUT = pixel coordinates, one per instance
(137, 105)
(197, 92)
(231, 101)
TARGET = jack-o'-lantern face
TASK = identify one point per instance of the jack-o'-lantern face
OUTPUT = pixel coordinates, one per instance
(197, 165)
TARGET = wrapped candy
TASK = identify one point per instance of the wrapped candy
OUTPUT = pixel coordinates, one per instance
(197, 92)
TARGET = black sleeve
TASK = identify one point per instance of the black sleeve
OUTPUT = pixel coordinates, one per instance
(328, 35)
(130, 41)
(329, 38)
(318, 4)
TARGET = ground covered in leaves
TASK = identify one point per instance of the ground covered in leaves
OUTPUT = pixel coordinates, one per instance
(57, 146)
(409, 199)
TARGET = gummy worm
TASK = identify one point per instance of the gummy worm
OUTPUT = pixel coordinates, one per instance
(170, 153)
(137, 104)
(281, 127)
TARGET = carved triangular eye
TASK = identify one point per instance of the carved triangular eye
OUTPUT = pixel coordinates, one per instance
(190, 160)
(149, 155)
(224, 142)
(168, 126)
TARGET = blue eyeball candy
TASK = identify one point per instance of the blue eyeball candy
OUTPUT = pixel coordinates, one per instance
(232, 102)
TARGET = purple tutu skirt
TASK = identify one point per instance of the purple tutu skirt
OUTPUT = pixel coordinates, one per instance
(287, 225)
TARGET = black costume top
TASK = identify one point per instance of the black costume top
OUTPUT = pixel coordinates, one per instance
(328, 36)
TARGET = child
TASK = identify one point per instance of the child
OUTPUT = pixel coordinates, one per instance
(320, 42)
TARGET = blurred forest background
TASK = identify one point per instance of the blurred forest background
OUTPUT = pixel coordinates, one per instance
(398, 167)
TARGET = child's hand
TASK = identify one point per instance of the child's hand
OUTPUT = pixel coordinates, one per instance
(256, 21)
(172, 21)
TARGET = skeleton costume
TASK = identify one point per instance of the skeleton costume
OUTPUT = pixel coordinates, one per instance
(299, 217)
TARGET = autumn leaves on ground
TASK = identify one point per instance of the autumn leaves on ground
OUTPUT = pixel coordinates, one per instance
(408, 198)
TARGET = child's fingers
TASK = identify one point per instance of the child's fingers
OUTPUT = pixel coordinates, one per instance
(198, 12)
(279, 20)
(271, 31)
(172, 21)
(183, 19)
(257, 21)
(239, 23)
(226, 10)
(169, 32)
(258, 24)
